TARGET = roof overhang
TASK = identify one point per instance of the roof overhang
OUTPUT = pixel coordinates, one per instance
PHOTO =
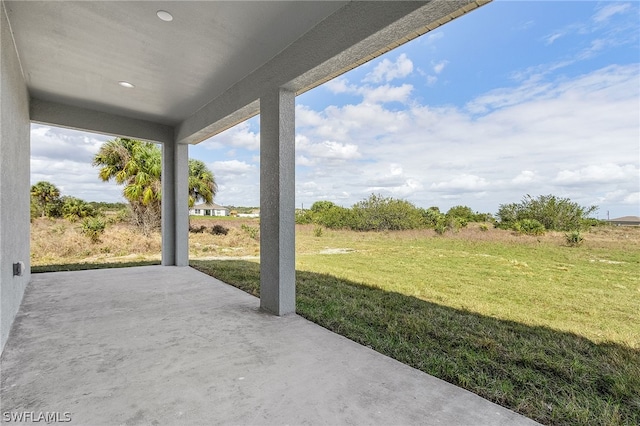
(204, 71)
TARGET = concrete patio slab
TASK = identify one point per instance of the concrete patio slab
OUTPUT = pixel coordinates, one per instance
(169, 345)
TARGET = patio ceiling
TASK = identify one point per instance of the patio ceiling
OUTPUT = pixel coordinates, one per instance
(206, 69)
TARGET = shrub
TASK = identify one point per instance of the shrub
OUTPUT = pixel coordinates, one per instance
(440, 227)
(252, 231)
(317, 231)
(93, 227)
(529, 227)
(304, 217)
(74, 209)
(219, 230)
(378, 213)
(462, 212)
(484, 227)
(123, 215)
(556, 214)
(574, 238)
(334, 217)
(431, 216)
(197, 229)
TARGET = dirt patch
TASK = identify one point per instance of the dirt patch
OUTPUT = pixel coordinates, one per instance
(336, 251)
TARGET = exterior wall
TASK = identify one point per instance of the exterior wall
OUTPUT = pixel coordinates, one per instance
(14, 180)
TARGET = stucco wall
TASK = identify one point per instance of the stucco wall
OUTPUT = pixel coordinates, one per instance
(14, 180)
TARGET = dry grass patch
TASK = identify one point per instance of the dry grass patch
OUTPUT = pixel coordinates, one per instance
(57, 241)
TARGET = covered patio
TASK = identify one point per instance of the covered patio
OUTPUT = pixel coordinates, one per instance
(177, 73)
(169, 345)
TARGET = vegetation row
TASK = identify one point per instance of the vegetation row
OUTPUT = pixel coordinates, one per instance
(531, 216)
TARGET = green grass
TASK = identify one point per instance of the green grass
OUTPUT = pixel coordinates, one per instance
(591, 291)
(547, 330)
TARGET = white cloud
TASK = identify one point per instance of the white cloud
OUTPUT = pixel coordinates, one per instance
(526, 177)
(326, 149)
(609, 10)
(386, 93)
(439, 67)
(598, 173)
(337, 85)
(432, 38)
(526, 138)
(552, 37)
(64, 157)
(633, 199)
(462, 183)
(387, 71)
(231, 167)
(239, 136)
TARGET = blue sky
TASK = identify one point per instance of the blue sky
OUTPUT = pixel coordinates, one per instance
(514, 98)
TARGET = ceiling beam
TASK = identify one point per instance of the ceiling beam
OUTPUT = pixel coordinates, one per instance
(353, 35)
(61, 115)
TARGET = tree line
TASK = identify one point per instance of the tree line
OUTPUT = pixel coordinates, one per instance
(531, 216)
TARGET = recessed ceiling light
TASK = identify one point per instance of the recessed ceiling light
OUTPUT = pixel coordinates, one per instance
(164, 15)
(126, 84)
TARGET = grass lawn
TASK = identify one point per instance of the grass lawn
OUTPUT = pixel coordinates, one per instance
(550, 331)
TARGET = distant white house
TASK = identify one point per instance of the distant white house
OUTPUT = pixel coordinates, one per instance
(209, 210)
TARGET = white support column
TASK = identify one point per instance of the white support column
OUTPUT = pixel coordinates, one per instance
(175, 204)
(277, 202)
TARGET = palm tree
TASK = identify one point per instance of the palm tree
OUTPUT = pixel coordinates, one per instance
(202, 183)
(137, 165)
(44, 193)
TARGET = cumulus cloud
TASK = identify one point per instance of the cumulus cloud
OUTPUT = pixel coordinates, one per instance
(539, 137)
(239, 136)
(386, 71)
(326, 149)
(64, 157)
(370, 94)
(231, 167)
(526, 177)
(386, 93)
(462, 183)
(337, 85)
(598, 173)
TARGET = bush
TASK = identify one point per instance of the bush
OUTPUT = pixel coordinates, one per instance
(197, 229)
(252, 231)
(484, 227)
(74, 209)
(462, 212)
(574, 238)
(529, 227)
(378, 213)
(304, 217)
(219, 230)
(555, 214)
(317, 231)
(93, 227)
(336, 217)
